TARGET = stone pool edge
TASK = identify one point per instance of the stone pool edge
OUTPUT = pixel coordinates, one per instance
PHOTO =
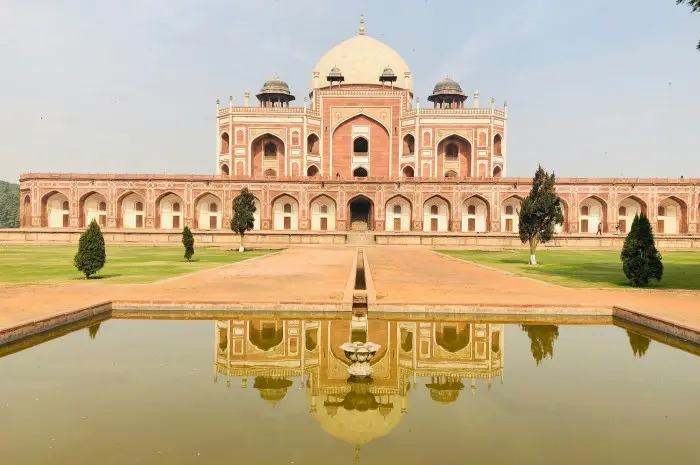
(133, 309)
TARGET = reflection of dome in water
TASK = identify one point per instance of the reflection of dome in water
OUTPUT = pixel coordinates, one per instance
(445, 392)
(358, 418)
(272, 390)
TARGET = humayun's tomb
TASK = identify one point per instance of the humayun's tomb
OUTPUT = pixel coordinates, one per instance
(360, 153)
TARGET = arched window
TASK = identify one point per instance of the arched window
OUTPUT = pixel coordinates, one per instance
(287, 208)
(270, 150)
(360, 145)
(409, 144)
(497, 145)
(451, 174)
(213, 207)
(176, 207)
(471, 210)
(408, 171)
(622, 211)
(662, 210)
(324, 209)
(584, 210)
(224, 169)
(65, 205)
(224, 142)
(139, 206)
(397, 209)
(295, 138)
(270, 172)
(434, 210)
(451, 151)
(509, 209)
(312, 171)
(360, 172)
(312, 144)
(102, 206)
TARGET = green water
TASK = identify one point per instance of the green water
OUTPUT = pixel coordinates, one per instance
(275, 392)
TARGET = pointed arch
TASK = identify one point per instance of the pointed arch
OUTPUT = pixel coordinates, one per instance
(26, 211)
(497, 171)
(597, 214)
(360, 213)
(225, 142)
(409, 144)
(437, 214)
(312, 144)
(312, 171)
(564, 227)
(53, 211)
(323, 213)
(131, 210)
(626, 210)
(259, 161)
(455, 155)
(345, 120)
(399, 213)
(285, 212)
(206, 217)
(510, 213)
(476, 214)
(408, 171)
(92, 206)
(675, 216)
(170, 211)
(224, 169)
(497, 141)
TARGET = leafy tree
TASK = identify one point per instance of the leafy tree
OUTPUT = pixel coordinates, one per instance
(9, 205)
(639, 343)
(694, 6)
(640, 259)
(243, 219)
(92, 330)
(91, 255)
(542, 339)
(188, 242)
(539, 212)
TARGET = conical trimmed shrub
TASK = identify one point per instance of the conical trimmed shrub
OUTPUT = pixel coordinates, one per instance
(188, 242)
(91, 255)
(641, 261)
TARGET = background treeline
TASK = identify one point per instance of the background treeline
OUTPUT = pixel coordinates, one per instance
(9, 205)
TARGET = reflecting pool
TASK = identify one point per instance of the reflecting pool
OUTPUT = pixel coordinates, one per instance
(276, 391)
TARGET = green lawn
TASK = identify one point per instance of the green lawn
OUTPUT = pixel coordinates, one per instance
(125, 264)
(585, 268)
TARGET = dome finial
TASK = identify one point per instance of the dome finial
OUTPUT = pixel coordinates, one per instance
(362, 25)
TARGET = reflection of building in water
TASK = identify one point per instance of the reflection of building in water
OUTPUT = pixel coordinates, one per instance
(447, 356)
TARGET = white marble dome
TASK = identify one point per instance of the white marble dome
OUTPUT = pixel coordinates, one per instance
(362, 60)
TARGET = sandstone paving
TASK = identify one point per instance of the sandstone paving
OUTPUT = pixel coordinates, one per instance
(405, 275)
(316, 274)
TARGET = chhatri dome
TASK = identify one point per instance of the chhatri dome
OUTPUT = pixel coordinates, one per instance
(362, 60)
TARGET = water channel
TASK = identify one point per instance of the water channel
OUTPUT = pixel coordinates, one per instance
(262, 390)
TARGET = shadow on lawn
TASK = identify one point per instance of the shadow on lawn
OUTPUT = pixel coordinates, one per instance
(97, 277)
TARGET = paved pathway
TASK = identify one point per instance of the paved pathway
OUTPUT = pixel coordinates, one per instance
(317, 274)
(401, 275)
(420, 276)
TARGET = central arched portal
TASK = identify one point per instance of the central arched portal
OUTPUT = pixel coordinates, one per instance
(360, 209)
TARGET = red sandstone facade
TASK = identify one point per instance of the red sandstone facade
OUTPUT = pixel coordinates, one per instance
(360, 153)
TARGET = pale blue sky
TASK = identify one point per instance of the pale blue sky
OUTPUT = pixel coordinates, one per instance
(595, 87)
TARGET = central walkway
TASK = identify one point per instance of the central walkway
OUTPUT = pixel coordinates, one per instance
(309, 275)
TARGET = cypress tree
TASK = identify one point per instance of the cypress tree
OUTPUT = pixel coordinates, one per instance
(539, 212)
(243, 219)
(640, 259)
(188, 242)
(91, 255)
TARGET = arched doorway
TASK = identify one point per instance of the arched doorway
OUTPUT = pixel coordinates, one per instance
(359, 172)
(360, 209)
